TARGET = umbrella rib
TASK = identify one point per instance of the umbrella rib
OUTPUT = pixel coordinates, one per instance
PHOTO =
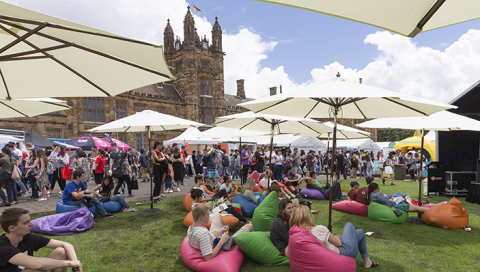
(322, 101)
(309, 127)
(67, 107)
(358, 108)
(25, 115)
(5, 84)
(95, 52)
(12, 56)
(430, 14)
(408, 107)
(61, 63)
(20, 38)
(25, 58)
(249, 123)
(275, 104)
(311, 109)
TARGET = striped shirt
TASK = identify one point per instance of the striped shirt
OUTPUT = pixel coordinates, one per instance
(200, 238)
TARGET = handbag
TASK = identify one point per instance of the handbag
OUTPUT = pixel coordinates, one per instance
(16, 173)
(134, 184)
(388, 170)
(66, 171)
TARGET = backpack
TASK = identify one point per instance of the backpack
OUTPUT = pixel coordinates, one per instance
(345, 160)
(225, 160)
(49, 168)
(253, 158)
(362, 196)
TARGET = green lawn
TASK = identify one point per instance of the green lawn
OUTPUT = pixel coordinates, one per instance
(148, 242)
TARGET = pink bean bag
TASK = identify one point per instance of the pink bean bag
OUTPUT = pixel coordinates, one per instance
(225, 261)
(351, 206)
(254, 175)
(306, 254)
(255, 189)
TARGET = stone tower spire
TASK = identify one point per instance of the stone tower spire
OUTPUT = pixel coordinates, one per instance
(168, 38)
(189, 29)
(216, 37)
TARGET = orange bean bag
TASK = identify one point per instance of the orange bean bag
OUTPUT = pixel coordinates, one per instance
(229, 219)
(450, 215)
(207, 191)
(187, 202)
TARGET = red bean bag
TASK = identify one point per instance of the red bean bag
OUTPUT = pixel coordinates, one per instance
(450, 215)
(254, 175)
(351, 206)
(229, 219)
(225, 261)
(306, 254)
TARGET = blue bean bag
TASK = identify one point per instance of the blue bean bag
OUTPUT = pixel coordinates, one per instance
(311, 194)
(248, 205)
(62, 208)
(64, 223)
(112, 206)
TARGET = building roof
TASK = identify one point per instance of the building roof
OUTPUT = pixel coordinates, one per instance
(233, 100)
(467, 102)
(162, 90)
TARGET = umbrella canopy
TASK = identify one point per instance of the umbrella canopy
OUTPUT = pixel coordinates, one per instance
(146, 120)
(406, 17)
(120, 145)
(36, 139)
(189, 136)
(263, 123)
(344, 132)
(43, 56)
(356, 101)
(226, 134)
(89, 142)
(30, 107)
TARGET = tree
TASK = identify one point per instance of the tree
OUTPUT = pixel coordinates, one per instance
(392, 135)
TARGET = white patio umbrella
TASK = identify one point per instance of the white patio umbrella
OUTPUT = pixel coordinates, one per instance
(147, 121)
(43, 56)
(443, 120)
(273, 124)
(30, 107)
(406, 17)
(348, 99)
(227, 133)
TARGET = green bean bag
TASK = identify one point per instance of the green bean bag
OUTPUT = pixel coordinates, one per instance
(382, 213)
(265, 213)
(258, 247)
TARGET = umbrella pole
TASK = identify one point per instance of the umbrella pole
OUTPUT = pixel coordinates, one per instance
(151, 209)
(271, 153)
(421, 169)
(241, 161)
(334, 147)
(326, 155)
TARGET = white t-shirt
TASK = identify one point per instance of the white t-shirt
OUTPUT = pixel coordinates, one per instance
(227, 188)
(264, 182)
(280, 160)
(267, 155)
(200, 238)
(322, 233)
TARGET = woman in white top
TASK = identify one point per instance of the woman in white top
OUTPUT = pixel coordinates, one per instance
(59, 159)
(227, 185)
(352, 240)
(266, 181)
(278, 165)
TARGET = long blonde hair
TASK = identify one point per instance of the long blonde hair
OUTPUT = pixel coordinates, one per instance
(250, 184)
(302, 217)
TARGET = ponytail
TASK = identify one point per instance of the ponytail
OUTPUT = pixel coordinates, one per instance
(371, 187)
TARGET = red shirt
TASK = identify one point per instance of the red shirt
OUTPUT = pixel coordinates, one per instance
(100, 162)
(309, 159)
(352, 194)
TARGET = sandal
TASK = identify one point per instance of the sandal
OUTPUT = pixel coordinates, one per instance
(373, 265)
(315, 211)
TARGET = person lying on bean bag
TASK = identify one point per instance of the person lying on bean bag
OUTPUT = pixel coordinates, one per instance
(279, 229)
(197, 196)
(202, 239)
(352, 240)
(104, 194)
(337, 190)
(375, 195)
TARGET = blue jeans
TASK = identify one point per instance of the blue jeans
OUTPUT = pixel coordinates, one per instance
(33, 183)
(121, 200)
(278, 172)
(22, 185)
(353, 240)
(368, 172)
(95, 201)
(168, 183)
(219, 194)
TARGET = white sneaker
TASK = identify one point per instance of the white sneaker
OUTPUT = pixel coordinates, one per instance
(26, 194)
(60, 193)
(178, 189)
(48, 195)
(48, 192)
(171, 190)
(42, 199)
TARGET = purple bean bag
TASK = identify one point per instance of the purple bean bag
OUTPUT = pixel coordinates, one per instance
(350, 206)
(311, 194)
(64, 223)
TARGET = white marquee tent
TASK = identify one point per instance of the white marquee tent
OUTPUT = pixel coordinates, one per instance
(358, 144)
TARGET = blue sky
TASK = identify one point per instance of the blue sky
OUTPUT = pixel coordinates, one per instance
(268, 45)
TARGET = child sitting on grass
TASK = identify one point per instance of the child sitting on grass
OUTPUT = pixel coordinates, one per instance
(201, 238)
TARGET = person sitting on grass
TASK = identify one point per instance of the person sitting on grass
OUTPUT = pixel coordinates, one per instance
(266, 180)
(76, 194)
(362, 193)
(197, 196)
(249, 185)
(354, 184)
(279, 228)
(337, 190)
(104, 194)
(291, 180)
(18, 244)
(207, 197)
(375, 195)
(352, 240)
(202, 239)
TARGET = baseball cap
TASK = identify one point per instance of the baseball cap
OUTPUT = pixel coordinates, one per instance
(353, 182)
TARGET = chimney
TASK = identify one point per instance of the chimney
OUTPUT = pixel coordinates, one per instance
(360, 80)
(241, 88)
(273, 91)
(280, 88)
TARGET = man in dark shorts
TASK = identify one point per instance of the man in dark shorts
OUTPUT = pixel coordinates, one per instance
(18, 244)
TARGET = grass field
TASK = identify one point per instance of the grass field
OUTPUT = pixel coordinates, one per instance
(151, 242)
